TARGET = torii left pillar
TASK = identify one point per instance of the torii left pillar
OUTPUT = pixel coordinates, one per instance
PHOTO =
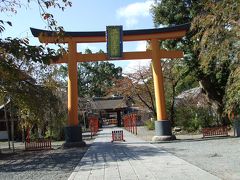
(73, 132)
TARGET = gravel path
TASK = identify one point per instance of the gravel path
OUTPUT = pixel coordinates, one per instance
(219, 156)
(56, 164)
(53, 164)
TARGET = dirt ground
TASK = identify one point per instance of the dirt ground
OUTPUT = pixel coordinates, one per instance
(56, 164)
(218, 155)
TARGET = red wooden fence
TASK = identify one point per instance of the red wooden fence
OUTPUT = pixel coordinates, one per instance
(215, 131)
(130, 123)
(38, 144)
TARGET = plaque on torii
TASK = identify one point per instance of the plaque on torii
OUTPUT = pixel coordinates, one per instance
(154, 36)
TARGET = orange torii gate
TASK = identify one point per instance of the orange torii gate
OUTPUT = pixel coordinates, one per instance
(162, 125)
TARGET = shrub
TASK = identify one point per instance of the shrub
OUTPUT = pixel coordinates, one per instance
(150, 124)
(191, 119)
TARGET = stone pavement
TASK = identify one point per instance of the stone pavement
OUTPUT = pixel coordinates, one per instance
(132, 159)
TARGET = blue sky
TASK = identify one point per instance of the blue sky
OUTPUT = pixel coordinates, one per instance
(87, 15)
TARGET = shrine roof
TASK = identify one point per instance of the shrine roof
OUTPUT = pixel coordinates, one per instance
(109, 103)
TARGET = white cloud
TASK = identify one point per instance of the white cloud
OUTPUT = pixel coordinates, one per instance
(136, 65)
(83, 46)
(132, 12)
(141, 46)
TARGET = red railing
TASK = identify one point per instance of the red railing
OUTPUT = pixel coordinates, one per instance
(93, 125)
(215, 131)
(38, 144)
(130, 123)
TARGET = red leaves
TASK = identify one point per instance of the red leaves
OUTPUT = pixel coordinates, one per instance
(47, 16)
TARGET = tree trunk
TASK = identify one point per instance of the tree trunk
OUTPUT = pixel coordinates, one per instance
(51, 122)
(7, 125)
(12, 127)
(153, 109)
(215, 98)
(23, 135)
(172, 109)
(12, 133)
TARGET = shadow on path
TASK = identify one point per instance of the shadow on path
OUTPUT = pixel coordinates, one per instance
(58, 159)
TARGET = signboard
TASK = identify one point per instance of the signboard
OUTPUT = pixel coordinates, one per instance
(117, 135)
(114, 42)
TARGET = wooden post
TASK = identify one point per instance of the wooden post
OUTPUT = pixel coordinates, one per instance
(119, 124)
(162, 125)
(72, 85)
(158, 81)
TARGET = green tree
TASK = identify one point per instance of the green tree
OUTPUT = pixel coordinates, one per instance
(217, 36)
(23, 83)
(95, 78)
(22, 67)
(176, 80)
(233, 90)
(210, 43)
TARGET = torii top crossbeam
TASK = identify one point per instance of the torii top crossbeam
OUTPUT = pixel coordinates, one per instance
(172, 32)
(151, 35)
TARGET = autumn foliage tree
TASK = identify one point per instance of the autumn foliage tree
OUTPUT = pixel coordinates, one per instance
(217, 39)
(12, 6)
(211, 46)
(138, 88)
(23, 66)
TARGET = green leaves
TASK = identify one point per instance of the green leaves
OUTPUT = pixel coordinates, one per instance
(21, 71)
(24, 75)
(169, 12)
(95, 78)
(216, 36)
(212, 45)
(20, 49)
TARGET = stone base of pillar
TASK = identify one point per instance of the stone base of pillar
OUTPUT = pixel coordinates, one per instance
(73, 137)
(163, 138)
(163, 131)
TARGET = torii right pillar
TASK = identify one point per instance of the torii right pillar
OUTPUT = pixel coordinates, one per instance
(162, 124)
